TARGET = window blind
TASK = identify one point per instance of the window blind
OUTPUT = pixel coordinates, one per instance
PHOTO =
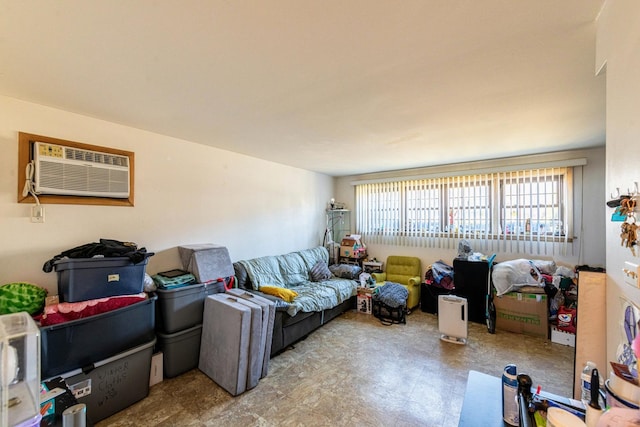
(507, 211)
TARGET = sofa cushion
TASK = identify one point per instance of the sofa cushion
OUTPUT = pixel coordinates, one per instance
(293, 269)
(318, 296)
(313, 255)
(320, 272)
(263, 271)
(242, 278)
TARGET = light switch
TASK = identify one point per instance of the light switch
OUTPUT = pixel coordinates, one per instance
(631, 274)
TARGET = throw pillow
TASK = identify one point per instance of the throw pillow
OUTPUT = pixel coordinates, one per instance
(320, 272)
(346, 271)
(286, 294)
(15, 297)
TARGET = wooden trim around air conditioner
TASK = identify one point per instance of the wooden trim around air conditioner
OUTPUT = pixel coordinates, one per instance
(25, 141)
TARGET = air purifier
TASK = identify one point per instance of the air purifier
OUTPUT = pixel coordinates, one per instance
(452, 318)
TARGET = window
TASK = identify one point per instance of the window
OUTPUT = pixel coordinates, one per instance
(505, 211)
(533, 205)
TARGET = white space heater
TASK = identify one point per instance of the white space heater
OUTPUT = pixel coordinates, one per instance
(452, 318)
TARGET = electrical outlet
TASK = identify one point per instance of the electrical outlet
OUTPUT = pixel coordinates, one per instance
(37, 213)
(631, 274)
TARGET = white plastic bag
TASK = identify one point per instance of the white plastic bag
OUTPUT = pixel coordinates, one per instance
(546, 267)
(510, 275)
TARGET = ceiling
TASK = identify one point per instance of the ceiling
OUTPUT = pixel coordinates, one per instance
(339, 87)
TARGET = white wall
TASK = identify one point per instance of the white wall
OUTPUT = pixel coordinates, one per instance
(184, 193)
(589, 250)
(618, 45)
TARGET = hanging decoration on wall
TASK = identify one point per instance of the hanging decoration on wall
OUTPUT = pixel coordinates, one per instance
(629, 331)
(616, 199)
(629, 233)
(625, 212)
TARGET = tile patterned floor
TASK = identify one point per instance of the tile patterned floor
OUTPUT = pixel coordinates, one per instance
(355, 371)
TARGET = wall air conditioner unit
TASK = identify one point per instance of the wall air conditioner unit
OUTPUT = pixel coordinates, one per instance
(78, 172)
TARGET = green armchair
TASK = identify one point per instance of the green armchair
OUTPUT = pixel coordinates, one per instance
(405, 270)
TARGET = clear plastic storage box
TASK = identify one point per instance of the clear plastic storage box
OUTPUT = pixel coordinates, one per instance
(20, 371)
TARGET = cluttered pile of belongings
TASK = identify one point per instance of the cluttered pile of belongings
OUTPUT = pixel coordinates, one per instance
(542, 276)
(439, 274)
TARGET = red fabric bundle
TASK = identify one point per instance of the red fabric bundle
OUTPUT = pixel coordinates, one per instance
(67, 311)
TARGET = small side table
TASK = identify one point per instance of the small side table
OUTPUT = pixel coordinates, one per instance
(372, 266)
(353, 261)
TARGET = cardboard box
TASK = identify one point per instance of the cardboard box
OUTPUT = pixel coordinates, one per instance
(562, 337)
(346, 251)
(351, 239)
(348, 244)
(364, 300)
(349, 252)
(523, 313)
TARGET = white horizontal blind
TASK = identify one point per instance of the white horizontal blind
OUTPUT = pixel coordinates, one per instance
(519, 211)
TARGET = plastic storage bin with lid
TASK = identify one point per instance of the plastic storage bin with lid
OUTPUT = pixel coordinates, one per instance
(82, 279)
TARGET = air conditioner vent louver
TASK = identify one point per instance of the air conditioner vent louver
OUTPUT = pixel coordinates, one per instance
(96, 157)
(73, 171)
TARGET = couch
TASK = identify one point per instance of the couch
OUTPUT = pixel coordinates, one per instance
(316, 303)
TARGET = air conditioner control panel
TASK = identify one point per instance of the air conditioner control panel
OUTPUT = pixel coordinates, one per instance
(50, 150)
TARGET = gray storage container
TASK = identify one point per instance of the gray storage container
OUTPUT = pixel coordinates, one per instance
(78, 343)
(268, 318)
(226, 334)
(182, 308)
(206, 261)
(81, 279)
(180, 351)
(112, 384)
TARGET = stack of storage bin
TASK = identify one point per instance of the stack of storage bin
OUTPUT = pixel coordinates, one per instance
(180, 310)
(105, 359)
(179, 325)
